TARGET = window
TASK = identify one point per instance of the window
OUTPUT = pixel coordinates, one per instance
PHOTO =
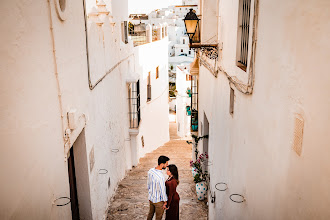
(188, 77)
(181, 50)
(149, 88)
(232, 98)
(189, 52)
(134, 104)
(194, 103)
(184, 41)
(157, 72)
(124, 33)
(243, 33)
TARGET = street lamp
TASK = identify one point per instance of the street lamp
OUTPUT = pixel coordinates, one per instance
(191, 22)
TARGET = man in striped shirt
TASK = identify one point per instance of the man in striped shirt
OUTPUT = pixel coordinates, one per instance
(157, 190)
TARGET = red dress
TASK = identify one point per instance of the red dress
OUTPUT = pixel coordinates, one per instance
(173, 199)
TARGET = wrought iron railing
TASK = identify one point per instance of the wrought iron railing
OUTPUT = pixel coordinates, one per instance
(134, 104)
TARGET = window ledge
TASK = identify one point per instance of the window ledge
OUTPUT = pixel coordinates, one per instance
(133, 131)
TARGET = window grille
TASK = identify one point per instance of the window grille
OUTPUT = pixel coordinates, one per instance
(124, 32)
(149, 89)
(194, 104)
(134, 104)
(243, 32)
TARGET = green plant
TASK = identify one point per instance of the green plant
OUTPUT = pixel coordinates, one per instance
(195, 143)
(198, 165)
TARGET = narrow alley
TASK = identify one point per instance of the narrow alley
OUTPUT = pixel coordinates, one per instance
(131, 198)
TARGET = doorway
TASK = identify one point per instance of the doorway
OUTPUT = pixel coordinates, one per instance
(73, 186)
(79, 180)
(206, 140)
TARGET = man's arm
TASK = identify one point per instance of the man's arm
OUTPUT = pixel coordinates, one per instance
(163, 191)
(148, 181)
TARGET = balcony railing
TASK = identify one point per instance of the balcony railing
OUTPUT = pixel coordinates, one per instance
(142, 36)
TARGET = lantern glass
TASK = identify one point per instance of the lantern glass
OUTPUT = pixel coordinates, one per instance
(191, 26)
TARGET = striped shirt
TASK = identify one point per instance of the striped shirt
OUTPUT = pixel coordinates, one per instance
(156, 186)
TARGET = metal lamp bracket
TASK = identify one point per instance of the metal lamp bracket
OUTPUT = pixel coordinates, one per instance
(209, 50)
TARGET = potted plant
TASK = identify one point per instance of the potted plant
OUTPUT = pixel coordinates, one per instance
(200, 178)
(188, 92)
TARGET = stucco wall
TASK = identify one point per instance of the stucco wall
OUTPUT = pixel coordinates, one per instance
(252, 151)
(154, 125)
(33, 160)
(182, 100)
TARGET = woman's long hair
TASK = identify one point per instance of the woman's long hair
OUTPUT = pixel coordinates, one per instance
(174, 171)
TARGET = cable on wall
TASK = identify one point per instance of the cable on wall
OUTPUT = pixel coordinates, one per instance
(59, 93)
(240, 86)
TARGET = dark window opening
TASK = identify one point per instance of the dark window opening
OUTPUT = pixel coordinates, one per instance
(149, 88)
(232, 96)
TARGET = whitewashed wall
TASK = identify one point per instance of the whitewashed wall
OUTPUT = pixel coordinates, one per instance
(33, 154)
(182, 100)
(154, 126)
(252, 151)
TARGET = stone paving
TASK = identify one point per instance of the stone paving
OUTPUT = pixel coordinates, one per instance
(131, 198)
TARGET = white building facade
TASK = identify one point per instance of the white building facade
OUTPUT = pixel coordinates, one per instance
(183, 100)
(70, 126)
(265, 106)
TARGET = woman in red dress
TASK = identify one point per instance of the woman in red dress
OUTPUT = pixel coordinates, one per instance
(172, 209)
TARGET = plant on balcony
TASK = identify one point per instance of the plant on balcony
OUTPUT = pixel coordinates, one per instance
(188, 92)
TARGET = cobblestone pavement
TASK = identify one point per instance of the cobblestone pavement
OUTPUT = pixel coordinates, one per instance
(131, 198)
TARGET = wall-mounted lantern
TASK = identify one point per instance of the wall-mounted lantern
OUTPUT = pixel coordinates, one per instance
(191, 22)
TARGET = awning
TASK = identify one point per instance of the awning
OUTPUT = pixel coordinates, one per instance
(194, 67)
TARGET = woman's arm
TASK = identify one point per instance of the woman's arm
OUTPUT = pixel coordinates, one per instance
(170, 192)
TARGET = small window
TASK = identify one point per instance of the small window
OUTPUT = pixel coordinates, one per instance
(124, 32)
(189, 52)
(181, 50)
(157, 72)
(232, 98)
(243, 33)
(134, 104)
(184, 41)
(149, 88)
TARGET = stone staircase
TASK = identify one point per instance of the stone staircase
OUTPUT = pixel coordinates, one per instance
(131, 197)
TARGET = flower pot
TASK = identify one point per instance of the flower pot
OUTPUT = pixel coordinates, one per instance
(201, 190)
(194, 171)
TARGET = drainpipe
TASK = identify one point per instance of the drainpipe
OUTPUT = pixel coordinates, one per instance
(87, 54)
(59, 93)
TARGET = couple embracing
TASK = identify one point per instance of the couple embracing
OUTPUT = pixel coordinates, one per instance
(162, 194)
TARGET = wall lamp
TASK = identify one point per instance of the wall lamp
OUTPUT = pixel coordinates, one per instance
(191, 22)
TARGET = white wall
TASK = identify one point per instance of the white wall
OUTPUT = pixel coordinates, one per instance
(252, 151)
(33, 158)
(154, 125)
(182, 100)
